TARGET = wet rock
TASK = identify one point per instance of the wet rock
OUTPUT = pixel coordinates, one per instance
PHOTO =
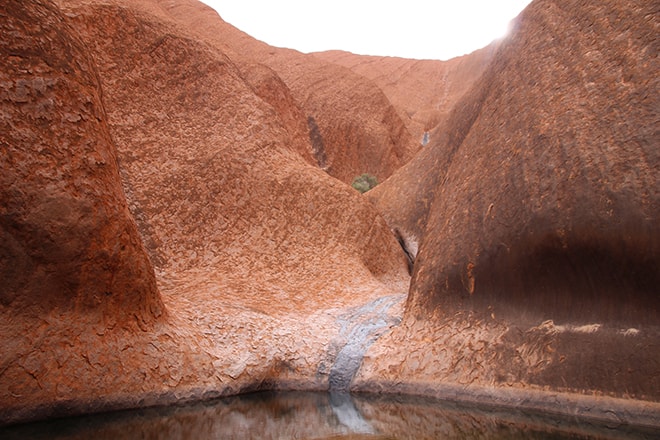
(359, 329)
(183, 143)
(154, 146)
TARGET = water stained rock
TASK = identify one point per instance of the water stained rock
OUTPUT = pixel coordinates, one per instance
(536, 202)
(318, 148)
(359, 328)
(196, 152)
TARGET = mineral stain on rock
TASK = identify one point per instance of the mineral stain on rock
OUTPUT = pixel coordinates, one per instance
(318, 148)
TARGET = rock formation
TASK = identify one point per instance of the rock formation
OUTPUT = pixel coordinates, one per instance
(353, 127)
(257, 253)
(69, 242)
(174, 225)
(537, 212)
(422, 91)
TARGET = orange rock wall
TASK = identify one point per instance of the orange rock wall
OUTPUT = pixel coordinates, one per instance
(422, 91)
(361, 131)
(176, 225)
(157, 148)
(69, 241)
(536, 216)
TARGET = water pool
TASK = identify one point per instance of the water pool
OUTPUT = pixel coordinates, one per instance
(310, 415)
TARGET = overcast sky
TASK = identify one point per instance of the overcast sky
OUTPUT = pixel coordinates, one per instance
(423, 29)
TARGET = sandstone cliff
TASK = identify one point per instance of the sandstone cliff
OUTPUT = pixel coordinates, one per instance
(422, 91)
(352, 125)
(538, 207)
(257, 253)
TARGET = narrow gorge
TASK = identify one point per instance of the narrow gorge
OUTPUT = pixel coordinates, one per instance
(177, 221)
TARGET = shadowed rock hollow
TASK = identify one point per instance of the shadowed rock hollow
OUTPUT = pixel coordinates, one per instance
(175, 222)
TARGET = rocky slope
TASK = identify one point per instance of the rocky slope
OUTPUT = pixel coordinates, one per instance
(422, 91)
(169, 231)
(537, 213)
(257, 253)
(69, 241)
(352, 125)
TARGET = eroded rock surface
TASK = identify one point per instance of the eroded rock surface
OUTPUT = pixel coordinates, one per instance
(157, 144)
(172, 230)
(69, 242)
(537, 214)
(352, 124)
(422, 91)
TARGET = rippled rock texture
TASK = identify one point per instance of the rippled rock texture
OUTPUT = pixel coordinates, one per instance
(353, 127)
(164, 234)
(68, 239)
(535, 226)
(422, 91)
(175, 220)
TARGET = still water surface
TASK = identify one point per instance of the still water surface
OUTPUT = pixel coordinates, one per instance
(305, 415)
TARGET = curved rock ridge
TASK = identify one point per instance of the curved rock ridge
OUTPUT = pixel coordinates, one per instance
(227, 161)
(168, 232)
(353, 126)
(536, 214)
(256, 251)
(69, 243)
(422, 91)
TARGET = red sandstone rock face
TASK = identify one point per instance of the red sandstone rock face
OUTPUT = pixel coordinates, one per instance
(537, 212)
(360, 131)
(261, 258)
(229, 185)
(575, 180)
(353, 127)
(68, 240)
(422, 91)
(268, 267)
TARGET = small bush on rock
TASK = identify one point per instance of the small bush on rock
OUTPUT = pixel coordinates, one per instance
(364, 182)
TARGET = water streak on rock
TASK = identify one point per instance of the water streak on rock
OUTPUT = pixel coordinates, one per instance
(360, 328)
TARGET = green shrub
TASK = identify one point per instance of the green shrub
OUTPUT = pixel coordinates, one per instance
(364, 182)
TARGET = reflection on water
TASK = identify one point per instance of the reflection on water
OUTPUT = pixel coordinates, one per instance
(305, 415)
(344, 409)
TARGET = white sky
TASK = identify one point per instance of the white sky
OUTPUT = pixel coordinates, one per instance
(423, 29)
